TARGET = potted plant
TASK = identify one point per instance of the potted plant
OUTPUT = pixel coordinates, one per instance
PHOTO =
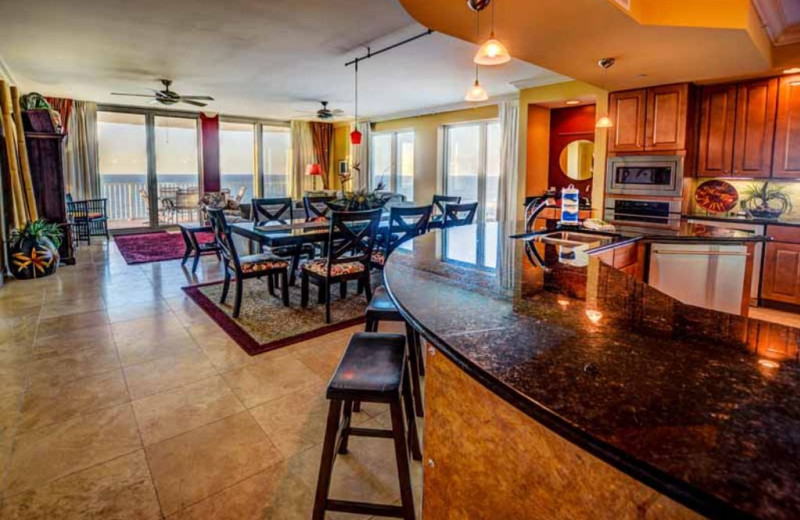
(766, 201)
(359, 200)
(34, 249)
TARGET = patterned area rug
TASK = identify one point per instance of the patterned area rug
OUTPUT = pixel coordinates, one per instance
(154, 247)
(265, 324)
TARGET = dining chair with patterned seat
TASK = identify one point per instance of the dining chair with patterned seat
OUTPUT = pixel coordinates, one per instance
(352, 238)
(280, 211)
(243, 267)
(459, 214)
(316, 207)
(439, 202)
(404, 224)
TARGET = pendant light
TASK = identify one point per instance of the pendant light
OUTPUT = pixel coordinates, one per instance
(605, 63)
(476, 92)
(355, 135)
(492, 52)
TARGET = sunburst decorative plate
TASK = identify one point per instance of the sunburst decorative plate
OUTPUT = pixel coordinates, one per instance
(716, 196)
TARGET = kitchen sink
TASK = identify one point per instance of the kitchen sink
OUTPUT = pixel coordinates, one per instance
(572, 238)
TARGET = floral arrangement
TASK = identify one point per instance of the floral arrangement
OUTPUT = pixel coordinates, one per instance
(359, 200)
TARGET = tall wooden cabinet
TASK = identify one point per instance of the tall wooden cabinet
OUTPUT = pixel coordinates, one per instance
(737, 125)
(786, 158)
(649, 120)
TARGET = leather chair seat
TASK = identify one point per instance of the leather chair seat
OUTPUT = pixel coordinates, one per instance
(381, 307)
(371, 368)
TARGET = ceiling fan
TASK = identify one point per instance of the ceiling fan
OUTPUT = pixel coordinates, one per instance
(169, 97)
(325, 112)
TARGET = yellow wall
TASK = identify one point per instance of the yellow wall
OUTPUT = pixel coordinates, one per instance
(341, 152)
(427, 162)
(536, 176)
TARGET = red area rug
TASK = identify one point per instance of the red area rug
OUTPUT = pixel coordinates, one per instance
(154, 247)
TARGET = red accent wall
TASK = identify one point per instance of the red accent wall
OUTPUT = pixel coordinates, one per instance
(209, 128)
(566, 125)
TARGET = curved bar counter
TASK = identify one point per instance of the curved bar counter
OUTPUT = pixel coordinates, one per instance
(572, 390)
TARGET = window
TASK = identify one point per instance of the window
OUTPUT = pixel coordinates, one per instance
(177, 172)
(277, 167)
(392, 162)
(237, 152)
(122, 155)
(472, 171)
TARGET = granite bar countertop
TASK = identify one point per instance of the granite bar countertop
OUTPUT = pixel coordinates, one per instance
(720, 217)
(700, 405)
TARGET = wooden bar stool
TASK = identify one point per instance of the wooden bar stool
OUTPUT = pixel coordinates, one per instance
(372, 369)
(382, 308)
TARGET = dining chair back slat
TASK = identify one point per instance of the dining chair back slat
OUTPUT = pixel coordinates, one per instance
(405, 224)
(439, 202)
(459, 214)
(351, 236)
(279, 209)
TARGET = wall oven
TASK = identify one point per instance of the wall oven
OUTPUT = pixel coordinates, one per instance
(648, 175)
(650, 213)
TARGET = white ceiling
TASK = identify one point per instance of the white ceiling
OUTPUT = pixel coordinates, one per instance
(263, 58)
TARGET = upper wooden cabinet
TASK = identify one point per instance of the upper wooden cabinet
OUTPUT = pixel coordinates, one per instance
(786, 159)
(649, 120)
(665, 124)
(737, 125)
(756, 107)
(717, 125)
(627, 111)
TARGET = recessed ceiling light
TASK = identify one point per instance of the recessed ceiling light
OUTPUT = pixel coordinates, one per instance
(641, 75)
(793, 70)
(572, 102)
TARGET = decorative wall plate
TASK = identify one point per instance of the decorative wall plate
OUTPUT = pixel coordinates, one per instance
(716, 196)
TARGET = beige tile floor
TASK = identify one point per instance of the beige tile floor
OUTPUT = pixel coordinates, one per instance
(120, 398)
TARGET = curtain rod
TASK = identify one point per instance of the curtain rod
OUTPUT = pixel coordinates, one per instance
(370, 54)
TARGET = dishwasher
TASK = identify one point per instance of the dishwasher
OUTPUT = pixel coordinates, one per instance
(705, 275)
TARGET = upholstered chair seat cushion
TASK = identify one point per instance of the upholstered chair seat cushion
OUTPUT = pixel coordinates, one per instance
(263, 262)
(378, 258)
(320, 267)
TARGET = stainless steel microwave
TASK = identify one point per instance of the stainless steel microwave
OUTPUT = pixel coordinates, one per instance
(652, 175)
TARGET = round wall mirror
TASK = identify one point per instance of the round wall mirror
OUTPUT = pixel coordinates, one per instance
(577, 160)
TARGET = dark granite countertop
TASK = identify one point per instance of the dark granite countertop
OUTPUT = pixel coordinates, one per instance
(700, 405)
(783, 221)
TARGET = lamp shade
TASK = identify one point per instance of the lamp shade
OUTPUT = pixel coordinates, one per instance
(604, 122)
(476, 93)
(314, 169)
(492, 53)
(355, 137)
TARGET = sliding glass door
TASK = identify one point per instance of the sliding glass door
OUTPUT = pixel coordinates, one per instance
(392, 162)
(276, 151)
(237, 156)
(177, 172)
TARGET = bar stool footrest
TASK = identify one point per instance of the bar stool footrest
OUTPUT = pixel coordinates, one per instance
(371, 432)
(363, 508)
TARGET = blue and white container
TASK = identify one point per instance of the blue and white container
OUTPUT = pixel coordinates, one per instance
(570, 206)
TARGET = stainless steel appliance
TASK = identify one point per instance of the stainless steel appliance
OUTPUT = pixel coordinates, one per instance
(649, 213)
(758, 250)
(649, 175)
(706, 275)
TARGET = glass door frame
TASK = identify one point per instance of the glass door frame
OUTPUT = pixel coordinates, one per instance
(394, 174)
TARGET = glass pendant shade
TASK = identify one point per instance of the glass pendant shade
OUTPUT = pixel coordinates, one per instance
(476, 93)
(604, 122)
(492, 53)
(355, 137)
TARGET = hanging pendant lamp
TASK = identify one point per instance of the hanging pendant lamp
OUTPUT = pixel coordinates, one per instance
(605, 64)
(476, 91)
(492, 52)
(355, 135)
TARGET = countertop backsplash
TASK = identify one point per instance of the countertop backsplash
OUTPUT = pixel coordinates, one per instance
(792, 189)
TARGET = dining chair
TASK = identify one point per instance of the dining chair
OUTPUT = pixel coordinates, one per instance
(347, 259)
(404, 224)
(439, 201)
(240, 193)
(244, 267)
(316, 207)
(280, 210)
(459, 214)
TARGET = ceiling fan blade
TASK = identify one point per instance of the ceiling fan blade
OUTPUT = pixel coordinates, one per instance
(337, 111)
(191, 102)
(154, 101)
(135, 95)
(199, 98)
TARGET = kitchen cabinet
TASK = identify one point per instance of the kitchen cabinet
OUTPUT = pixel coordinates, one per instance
(737, 125)
(627, 111)
(666, 115)
(649, 120)
(786, 159)
(717, 124)
(780, 280)
(756, 108)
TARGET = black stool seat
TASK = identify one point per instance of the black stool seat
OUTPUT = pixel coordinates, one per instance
(371, 368)
(381, 307)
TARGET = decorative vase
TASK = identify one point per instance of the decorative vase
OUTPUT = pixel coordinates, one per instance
(34, 258)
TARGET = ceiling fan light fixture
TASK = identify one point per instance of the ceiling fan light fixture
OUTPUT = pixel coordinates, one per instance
(476, 93)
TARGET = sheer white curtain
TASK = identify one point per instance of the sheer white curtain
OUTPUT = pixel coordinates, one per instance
(507, 207)
(360, 154)
(81, 161)
(302, 156)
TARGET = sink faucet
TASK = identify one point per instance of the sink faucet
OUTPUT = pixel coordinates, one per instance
(534, 208)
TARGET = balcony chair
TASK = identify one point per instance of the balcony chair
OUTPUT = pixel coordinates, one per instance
(88, 218)
(251, 266)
